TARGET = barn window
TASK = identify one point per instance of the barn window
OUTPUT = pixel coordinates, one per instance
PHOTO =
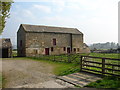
(74, 49)
(51, 48)
(64, 48)
(54, 41)
(21, 43)
(78, 49)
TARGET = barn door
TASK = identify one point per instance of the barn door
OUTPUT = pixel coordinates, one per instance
(46, 51)
(68, 50)
(5, 53)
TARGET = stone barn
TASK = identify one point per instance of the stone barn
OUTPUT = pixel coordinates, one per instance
(5, 48)
(33, 40)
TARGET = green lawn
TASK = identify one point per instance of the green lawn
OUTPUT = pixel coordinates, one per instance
(106, 82)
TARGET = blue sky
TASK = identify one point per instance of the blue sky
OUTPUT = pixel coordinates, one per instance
(97, 19)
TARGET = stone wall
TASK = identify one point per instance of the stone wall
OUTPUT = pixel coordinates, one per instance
(77, 43)
(34, 44)
(37, 42)
(21, 37)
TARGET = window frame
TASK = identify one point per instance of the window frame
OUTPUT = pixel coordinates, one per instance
(64, 48)
(74, 49)
(54, 41)
(52, 49)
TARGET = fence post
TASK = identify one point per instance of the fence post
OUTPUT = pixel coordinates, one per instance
(81, 63)
(103, 66)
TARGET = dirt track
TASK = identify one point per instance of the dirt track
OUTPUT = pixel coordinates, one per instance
(23, 72)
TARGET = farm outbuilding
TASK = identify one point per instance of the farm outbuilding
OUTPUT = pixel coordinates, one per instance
(5, 48)
(33, 40)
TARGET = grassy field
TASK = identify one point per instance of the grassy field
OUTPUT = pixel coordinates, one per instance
(107, 55)
(106, 82)
(107, 61)
(76, 57)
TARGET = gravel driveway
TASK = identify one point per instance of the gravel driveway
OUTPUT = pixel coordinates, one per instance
(22, 72)
(30, 74)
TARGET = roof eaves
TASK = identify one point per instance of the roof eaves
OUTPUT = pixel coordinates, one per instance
(23, 25)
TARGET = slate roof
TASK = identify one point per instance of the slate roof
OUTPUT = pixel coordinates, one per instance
(41, 28)
(5, 43)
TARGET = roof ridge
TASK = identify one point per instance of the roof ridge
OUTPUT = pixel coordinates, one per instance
(54, 29)
(49, 26)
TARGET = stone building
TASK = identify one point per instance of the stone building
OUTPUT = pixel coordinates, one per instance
(5, 48)
(33, 40)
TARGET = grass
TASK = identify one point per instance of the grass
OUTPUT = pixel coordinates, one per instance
(61, 68)
(14, 53)
(106, 82)
(107, 55)
(68, 68)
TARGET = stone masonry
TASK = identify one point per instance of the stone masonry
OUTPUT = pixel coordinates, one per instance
(33, 40)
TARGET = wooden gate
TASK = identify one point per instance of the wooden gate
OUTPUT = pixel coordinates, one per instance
(99, 65)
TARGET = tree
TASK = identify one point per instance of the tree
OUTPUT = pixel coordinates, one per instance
(4, 13)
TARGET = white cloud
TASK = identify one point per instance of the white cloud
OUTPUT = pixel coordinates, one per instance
(58, 4)
(60, 21)
(73, 6)
(27, 13)
(43, 8)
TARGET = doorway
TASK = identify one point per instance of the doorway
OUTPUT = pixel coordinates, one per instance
(5, 53)
(68, 50)
(46, 51)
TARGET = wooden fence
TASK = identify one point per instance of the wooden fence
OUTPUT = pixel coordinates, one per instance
(67, 58)
(99, 65)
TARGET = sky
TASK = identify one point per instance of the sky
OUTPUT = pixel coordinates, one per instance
(96, 19)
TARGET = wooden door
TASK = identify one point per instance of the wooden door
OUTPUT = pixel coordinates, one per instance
(68, 50)
(5, 53)
(46, 51)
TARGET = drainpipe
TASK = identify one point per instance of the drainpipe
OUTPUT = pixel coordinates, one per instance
(71, 42)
